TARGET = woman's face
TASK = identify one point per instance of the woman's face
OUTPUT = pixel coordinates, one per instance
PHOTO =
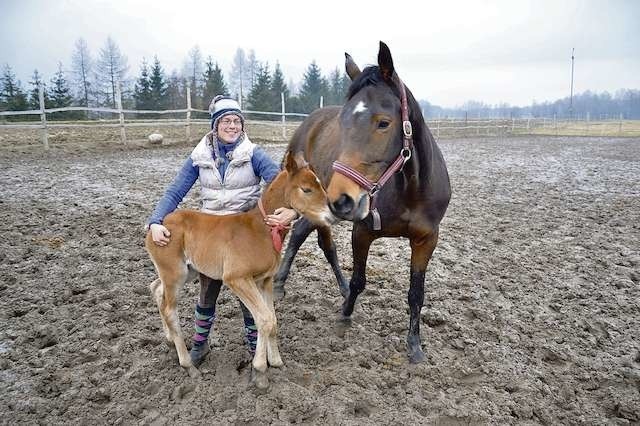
(229, 128)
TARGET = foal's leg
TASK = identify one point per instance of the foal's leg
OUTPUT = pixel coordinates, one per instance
(172, 279)
(156, 292)
(421, 250)
(301, 230)
(248, 293)
(273, 354)
(325, 242)
(361, 240)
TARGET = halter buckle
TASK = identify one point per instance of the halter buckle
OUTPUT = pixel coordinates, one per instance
(407, 128)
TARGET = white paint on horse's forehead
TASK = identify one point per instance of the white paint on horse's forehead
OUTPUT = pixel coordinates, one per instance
(360, 107)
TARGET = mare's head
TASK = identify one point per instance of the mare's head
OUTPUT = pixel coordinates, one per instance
(371, 134)
(304, 192)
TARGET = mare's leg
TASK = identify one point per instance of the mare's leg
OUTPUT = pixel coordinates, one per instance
(299, 234)
(421, 250)
(361, 240)
(273, 353)
(325, 242)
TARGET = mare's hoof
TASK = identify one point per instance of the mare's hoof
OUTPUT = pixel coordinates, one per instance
(417, 356)
(199, 353)
(278, 291)
(259, 379)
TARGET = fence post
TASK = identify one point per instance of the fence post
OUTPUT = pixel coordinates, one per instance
(587, 123)
(188, 114)
(123, 134)
(528, 124)
(513, 125)
(555, 124)
(284, 121)
(620, 126)
(321, 101)
(438, 129)
(43, 117)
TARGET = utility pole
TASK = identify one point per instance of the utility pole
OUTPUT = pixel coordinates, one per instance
(571, 97)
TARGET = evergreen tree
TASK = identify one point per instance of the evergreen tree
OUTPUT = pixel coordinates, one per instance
(259, 99)
(12, 96)
(213, 83)
(313, 86)
(176, 95)
(142, 89)
(34, 93)
(82, 65)
(337, 88)
(158, 86)
(277, 87)
(60, 93)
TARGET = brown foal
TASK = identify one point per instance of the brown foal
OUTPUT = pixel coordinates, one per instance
(239, 250)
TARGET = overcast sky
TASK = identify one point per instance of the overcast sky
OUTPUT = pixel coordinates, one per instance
(447, 52)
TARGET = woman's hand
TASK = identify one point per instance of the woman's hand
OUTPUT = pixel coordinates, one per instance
(160, 234)
(282, 216)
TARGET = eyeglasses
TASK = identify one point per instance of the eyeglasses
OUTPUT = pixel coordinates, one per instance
(227, 122)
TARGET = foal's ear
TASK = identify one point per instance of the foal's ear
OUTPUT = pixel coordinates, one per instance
(294, 162)
(385, 62)
(353, 70)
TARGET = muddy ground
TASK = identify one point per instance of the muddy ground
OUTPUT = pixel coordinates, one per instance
(532, 309)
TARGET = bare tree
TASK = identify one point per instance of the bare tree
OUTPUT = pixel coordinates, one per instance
(238, 77)
(111, 69)
(193, 71)
(81, 68)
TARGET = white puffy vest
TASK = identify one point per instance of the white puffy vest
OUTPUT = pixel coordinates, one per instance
(241, 188)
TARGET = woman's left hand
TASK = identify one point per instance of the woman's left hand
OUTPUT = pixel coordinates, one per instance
(282, 216)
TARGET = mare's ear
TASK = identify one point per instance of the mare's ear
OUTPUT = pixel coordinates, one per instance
(353, 71)
(385, 62)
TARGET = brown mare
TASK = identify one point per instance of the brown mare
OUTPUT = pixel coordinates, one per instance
(375, 150)
(239, 250)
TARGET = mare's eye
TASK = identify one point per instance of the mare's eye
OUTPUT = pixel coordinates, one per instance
(306, 190)
(383, 124)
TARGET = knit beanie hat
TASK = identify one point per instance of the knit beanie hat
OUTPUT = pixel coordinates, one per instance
(222, 106)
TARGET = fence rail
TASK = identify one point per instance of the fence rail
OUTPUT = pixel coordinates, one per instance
(445, 127)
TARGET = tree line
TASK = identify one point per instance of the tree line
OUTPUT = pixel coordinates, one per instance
(91, 82)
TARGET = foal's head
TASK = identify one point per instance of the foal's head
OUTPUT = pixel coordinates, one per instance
(370, 133)
(304, 192)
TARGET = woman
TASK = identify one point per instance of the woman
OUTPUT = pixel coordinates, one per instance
(229, 167)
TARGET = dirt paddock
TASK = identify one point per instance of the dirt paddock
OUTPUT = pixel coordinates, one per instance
(532, 311)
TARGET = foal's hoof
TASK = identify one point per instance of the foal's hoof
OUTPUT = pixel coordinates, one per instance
(193, 372)
(260, 379)
(416, 356)
(278, 291)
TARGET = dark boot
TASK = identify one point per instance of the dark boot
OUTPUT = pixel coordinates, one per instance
(250, 330)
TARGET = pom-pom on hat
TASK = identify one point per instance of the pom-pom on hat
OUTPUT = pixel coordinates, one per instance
(222, 106)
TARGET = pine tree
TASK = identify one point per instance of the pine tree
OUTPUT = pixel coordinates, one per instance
(34, 94)
(82, 65)
(11, 94)
(175, 97)
(142, 89)
(277, 87)
(60, 93)
(313, 86)
(259, 99)
(337, 89)
(158, 86)
(213, 82)
(111, 69)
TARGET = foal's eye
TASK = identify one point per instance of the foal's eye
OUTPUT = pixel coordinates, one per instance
(383, 124)
(306, 190)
